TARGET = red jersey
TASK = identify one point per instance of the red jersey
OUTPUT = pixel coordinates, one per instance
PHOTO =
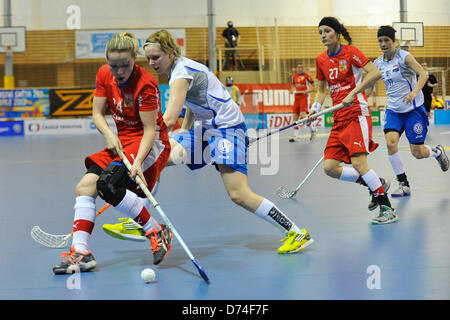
(302, 81)
(139, 93)
(343, 72)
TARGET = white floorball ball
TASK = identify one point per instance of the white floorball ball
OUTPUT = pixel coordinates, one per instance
(148, 275)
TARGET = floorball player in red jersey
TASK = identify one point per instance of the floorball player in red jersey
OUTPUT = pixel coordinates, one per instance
(133, 98)
(340, 68)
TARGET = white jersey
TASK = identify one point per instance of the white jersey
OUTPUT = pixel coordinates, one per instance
(400, 80)
(208, 99)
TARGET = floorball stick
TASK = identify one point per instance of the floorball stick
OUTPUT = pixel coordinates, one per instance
(166, 219)
(56, 240)
(311, 118)
(287, 194)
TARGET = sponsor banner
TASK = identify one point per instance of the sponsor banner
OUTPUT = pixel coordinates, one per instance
(19, 103)
(91, 44)
(71, 102)
(92, 129)
(255, 121)
(377, 118)
(441, 117)
(281, 120)
(266, 98)
(164, 89)
(11, 128)
(55, 126)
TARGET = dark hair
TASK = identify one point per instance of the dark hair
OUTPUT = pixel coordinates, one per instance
(334, 23)
(386, 31)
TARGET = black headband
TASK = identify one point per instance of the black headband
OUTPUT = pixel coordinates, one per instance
(331, 22)
(386, 31)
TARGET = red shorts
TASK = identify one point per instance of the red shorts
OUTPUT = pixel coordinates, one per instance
(152, 165)
(301, 103)
(349, 137)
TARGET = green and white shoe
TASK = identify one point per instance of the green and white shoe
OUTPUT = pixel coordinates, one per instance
(387, 215)
(295, 242)
(126, 229)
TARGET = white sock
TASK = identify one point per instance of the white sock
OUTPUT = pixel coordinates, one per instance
(147, 204)
(349, 174)
(270, 213)
(434, 152)
(154, 191)
(397, 163)
(84, 220)
(296, 131)
(132, 206)
(373, 182)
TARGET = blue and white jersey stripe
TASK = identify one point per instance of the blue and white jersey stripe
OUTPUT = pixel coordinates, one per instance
(400, 80)
(206, 97)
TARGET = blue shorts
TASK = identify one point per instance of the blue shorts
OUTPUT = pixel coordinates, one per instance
(182, 113)
(216, 146)
(414, 123)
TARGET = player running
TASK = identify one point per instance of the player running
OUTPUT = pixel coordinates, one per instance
(303, 85)
(340, 68)
(133, 98)
(405, 109)
(219, 126)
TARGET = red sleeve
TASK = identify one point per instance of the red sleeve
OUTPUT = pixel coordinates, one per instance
(319, 74)
(148, 98)
(100, 90)
(358, 58)
(309, 78)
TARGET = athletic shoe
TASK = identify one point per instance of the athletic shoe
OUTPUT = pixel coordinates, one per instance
(292, 139)
(126, 229)
(373, 204)
(402, 191)
(442, 159)
(161, 242)
(295, 242)
(75, 262)
(313, 134)
(386, 215)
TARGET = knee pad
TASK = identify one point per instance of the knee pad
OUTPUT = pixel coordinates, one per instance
(111, 185)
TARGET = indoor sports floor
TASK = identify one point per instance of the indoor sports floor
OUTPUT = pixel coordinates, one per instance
(350, 259)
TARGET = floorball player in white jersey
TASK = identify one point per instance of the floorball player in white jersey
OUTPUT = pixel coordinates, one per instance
(219, 126)
(405, 111)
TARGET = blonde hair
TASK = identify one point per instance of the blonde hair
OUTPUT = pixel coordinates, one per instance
(123, 42)
(165, 41)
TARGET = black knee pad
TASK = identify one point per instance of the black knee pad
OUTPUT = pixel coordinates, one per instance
(112, 183)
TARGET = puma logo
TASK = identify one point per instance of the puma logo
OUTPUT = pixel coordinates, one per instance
(357, 143)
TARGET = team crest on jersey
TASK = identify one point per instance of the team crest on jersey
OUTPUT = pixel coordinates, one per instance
(225, 146)
(128, 100)
(342, 65)
(418, 128)
(395, 68)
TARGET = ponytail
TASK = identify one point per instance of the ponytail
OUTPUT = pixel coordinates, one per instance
(346, 35)
(334, 23)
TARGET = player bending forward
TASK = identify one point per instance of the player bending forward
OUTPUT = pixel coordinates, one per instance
(220, 127)
(132, 95)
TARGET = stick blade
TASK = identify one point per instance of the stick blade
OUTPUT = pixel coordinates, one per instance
(201, 271)
(284, 193)
(49, 240)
